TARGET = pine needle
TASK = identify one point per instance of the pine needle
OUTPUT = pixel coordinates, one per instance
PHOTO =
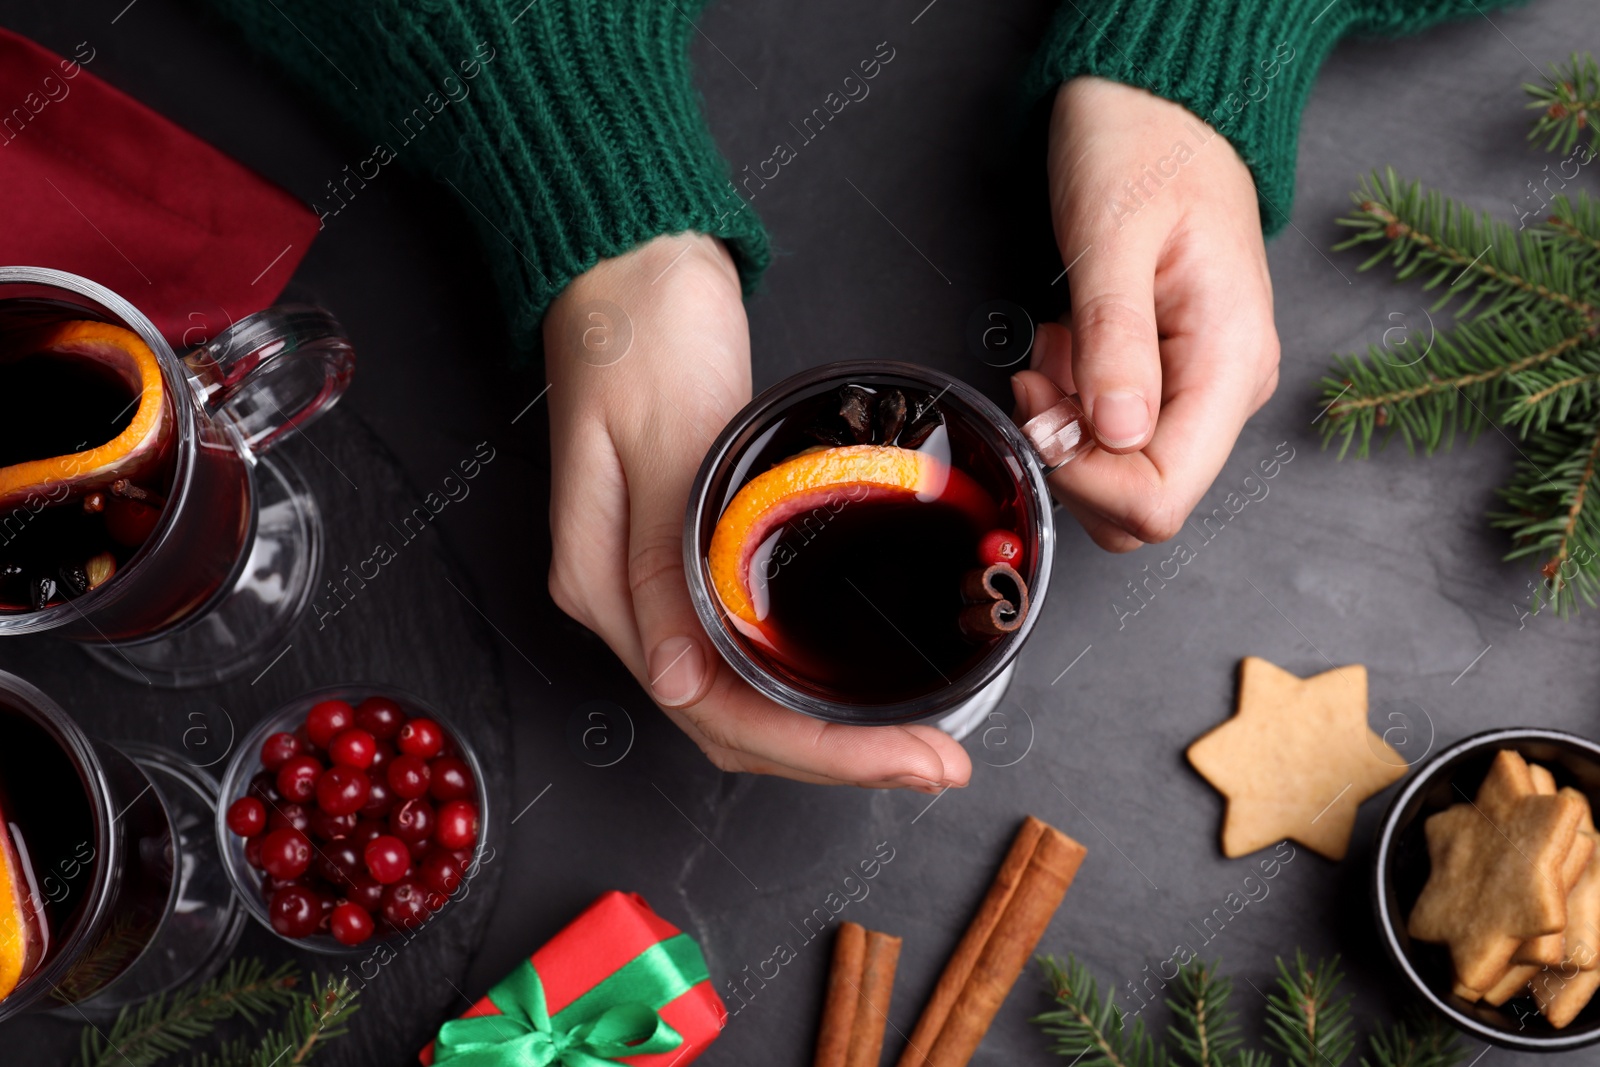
(315, 1019)
(1206, 1031)
(1091, 1031)
(146, 1033)
(1306, 1020)
(1569, 104)
(1522, 354)
(1420, 1041)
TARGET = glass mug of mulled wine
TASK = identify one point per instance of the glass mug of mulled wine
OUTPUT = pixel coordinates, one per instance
(140, 513)
(111, 888)
(871, 542)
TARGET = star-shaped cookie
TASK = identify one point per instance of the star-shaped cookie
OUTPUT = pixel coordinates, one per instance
(1495, 876)
(1296, 760)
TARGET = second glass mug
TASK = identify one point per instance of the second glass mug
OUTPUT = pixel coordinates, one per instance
(231, 563)
(1028, 454)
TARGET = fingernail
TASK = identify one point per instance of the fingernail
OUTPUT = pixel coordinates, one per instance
(921, 785)
(1036, 353)
(1019, 393)
(676, 671)
(1121, 418)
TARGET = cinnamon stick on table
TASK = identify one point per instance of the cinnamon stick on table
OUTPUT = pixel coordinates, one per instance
(1025, 893)
(857, 1005)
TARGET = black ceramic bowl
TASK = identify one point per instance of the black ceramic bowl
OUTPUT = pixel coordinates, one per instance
(1400, 867)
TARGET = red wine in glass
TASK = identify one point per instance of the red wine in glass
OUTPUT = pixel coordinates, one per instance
(174, 546)
(126, 895)
(838, 532)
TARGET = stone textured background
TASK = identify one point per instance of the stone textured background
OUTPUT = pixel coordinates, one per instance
(1388, 562)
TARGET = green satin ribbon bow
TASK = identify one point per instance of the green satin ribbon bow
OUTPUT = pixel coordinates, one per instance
(619, 1017)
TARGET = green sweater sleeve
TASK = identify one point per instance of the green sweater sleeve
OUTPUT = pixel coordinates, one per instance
(568, 129)
(1244, 66)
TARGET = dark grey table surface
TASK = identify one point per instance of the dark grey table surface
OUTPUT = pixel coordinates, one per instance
(1387, 563)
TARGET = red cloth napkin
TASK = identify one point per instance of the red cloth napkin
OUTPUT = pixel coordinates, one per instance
(95, 183)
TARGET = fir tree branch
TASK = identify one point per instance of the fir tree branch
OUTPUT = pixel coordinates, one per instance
(1577, 221)
(144, 1034)
(1093, 1032)
(1305, 1020)
(1557, 391)
(1425, 231)
(1206, 1034)
(316, 1018)
(1556, 512)
(1458, 385)
(1569, 105)
(1421, 1041)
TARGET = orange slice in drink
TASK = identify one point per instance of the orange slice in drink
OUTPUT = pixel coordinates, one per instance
(123, 355)
(829, 478)
(22, 936)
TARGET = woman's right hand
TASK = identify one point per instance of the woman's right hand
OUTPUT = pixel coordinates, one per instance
(648, 357)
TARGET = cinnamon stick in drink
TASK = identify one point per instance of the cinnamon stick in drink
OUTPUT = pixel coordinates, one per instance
(857, 1006)
(1024, 896)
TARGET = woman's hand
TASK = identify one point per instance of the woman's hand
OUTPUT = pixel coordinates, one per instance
(648, 357)
(1171, 344)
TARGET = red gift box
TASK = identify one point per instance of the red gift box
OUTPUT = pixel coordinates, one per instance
(611, 933)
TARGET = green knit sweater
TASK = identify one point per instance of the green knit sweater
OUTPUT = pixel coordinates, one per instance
(571, 132)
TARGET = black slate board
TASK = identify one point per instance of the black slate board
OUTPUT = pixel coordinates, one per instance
(1388, 563)
(410, 629)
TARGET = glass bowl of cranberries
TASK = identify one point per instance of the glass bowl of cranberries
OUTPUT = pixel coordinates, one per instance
(350, 815)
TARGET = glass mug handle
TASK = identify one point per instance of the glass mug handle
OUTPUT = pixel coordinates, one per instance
(271, 374)
(1060, 434)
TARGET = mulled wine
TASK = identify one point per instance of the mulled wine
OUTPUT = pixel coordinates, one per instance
(86, 463)
(87, 466)
(47, 836)
(871, 544)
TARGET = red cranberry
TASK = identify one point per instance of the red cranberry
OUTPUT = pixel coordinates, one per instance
(420, 737)
(285, 853)
(285, 813)
(353, 748)
(412, 821)
(264, 786)
(380, 717)
(270, 885)
(338, 861)
(327, 720)
(350, 924)
(364, 891)
(326, 826)
(383, 753)
(451, 778)
(408, 776)
(247, 816)
(129, 522)
(387, 858)
(366, 830)
(278, 748)
(297, 778)
(295, 911)
(326, 902)
(440, 872)
(252, 852)
(380, 798)
(341, 790)
(405, 905)
(457, 824)
(1000, 546)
